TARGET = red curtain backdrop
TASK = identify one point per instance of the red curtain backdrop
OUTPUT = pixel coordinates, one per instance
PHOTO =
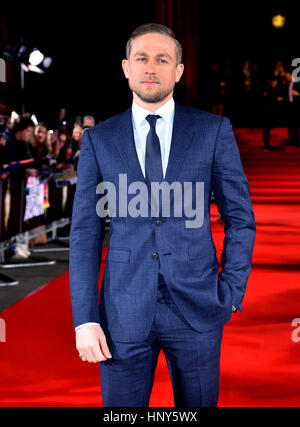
(183, 17)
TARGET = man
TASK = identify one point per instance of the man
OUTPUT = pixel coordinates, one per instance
(88, 122)
(161, 288)
(17, 142)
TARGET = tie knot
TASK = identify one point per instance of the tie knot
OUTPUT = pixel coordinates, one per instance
(152, 119)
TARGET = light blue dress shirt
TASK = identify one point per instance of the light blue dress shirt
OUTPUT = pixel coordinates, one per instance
(164, 128)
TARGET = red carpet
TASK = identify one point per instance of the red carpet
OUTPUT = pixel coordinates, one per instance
(39, 364)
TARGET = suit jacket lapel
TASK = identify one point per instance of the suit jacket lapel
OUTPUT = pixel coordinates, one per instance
(180, 144)
(126, 146)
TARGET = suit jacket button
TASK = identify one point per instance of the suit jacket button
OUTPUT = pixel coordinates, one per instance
(155, 255)
(158, 223)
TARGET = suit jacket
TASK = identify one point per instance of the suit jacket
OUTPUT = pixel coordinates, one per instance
(203, 149)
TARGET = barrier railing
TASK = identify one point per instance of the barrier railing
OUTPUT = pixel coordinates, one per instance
(19, 225)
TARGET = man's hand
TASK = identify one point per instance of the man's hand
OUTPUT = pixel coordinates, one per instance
(91, 343)
(31, 172)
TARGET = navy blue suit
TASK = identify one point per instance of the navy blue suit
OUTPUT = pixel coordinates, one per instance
(203, 149)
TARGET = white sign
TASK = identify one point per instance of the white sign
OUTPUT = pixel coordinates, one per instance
(2, 71)
(34, 204)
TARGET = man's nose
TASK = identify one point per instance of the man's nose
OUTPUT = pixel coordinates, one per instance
(150, 67)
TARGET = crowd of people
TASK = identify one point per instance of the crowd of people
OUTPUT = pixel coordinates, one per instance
(30, 154)
(253, 97)
(21, 139)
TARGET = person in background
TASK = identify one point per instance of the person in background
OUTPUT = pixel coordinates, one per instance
(256, 79)
(214, 87)
(269, 111)
(246, 93)
(60, 149)
(40, 146)
(279, 71)
(281, 91)
(52, 141)
(53, 135)
(226, 87)
(88, 122)
(247, 81)
(17, 140)
(3, 154)
(257, 91)
(75, 145)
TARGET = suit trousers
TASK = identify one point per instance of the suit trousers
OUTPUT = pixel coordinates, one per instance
(193, 360)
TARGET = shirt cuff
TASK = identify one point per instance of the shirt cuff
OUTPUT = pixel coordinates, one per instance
(86, 324)
(237, 307)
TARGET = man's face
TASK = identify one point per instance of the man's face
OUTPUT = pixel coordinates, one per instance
(25, 134)
(151, 69)
(2, 141)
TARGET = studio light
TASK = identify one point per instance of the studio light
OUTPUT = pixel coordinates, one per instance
(27, 58)
(278, 21)
(36, 57)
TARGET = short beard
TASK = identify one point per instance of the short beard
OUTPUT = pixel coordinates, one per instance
(154, 98)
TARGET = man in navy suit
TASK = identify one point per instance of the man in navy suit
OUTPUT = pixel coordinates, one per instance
(161, 287)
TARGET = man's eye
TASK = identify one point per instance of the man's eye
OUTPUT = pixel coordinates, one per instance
(141, 59)
(163, 61)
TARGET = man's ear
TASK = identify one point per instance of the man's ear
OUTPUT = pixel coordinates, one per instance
(125, 66)
(179, 72)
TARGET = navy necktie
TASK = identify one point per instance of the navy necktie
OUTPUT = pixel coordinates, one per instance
(153, 166)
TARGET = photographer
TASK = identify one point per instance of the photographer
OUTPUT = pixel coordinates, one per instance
(17, 141)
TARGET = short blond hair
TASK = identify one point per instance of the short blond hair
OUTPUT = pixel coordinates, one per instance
(155, 28)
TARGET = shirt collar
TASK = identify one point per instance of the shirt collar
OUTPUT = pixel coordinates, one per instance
(166, 112)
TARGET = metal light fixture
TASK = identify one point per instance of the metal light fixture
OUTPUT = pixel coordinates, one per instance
(28, 59)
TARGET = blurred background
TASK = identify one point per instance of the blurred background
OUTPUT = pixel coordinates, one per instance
(230, 52)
